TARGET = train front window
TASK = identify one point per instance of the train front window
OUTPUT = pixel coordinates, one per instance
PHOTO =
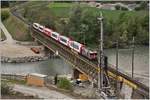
(41, 28)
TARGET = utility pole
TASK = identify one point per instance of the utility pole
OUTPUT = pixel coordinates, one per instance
(133, 56)
(117, 50)
(100, 58)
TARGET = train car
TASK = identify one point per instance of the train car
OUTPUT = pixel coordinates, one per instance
(36, 25)
(75, 46)
(64, 40)
(41, 28)
(47, 31)
(55, 35)
(92, 55)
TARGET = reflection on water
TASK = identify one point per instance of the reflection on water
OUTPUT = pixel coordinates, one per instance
(141, 61)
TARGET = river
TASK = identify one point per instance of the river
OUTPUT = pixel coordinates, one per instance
(48, 67)
(59, 66)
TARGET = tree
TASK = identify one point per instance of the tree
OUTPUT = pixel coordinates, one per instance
(5, 15)
(5, 89)
(4, 4)
(143, 6)
(25, 11)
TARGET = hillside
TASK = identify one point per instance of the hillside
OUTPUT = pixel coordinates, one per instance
(17, 28)
(76, 20)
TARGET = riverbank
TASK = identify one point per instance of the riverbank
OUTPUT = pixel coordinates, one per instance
(19, 85)
(23, 59)
(17, 89)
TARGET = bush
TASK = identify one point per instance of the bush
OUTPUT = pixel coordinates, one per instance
(64, 84)
(143, 6)
(4, 4)
(5, 89)
(118, 7)
(4, 15)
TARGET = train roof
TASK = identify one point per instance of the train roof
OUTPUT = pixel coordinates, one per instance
(77, 43)
(55, 33)
(90, 50)
(36, 23)
(48, 29)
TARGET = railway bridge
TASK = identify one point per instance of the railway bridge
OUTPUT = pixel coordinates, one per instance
(90, 69)
(87, 67)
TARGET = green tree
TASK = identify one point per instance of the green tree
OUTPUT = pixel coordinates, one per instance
(143, 6)
(4, 15)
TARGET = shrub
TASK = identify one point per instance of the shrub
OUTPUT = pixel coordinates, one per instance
(4, 15)
(118, 7)
(5, 89)
(64, 84)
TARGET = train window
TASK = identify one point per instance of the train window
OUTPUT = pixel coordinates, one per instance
(75, 46)
(63, 40)
(35, 25)
(54, 35)
(41, 28)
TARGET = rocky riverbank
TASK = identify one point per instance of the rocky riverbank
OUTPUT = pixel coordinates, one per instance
(25, 59)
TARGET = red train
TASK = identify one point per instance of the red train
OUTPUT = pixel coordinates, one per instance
(76, 46)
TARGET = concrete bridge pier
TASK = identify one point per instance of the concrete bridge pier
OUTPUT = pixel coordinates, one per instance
(48, 51)
(126, 91)
(75, 74)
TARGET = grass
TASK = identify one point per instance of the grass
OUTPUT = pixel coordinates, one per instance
(64, 84)
(14, 81)
(17, 28)
(63, 10)
(2, 35)
(55, 5)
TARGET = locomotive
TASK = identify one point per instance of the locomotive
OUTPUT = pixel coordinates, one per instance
(73, 45)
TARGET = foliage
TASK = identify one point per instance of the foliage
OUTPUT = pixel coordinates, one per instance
(5, 89)
(64, 84)
(143, 6)
(18, 29)
(4, 4)
(2, 35)
(118, 7)
(79, 22)
(4, 15)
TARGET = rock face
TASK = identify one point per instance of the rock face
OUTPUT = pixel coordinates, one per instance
(25, 59)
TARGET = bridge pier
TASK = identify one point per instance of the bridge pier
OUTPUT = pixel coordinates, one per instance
(76, 73)
(48, 51)
(126, 91)
(138, 95)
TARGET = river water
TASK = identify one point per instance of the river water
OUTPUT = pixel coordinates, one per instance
(59, 66)
(48, 67)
